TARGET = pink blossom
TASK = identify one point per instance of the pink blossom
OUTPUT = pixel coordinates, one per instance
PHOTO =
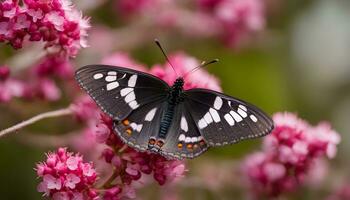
(101, 133)
(341, 193)
(208, 4)
(131, 165)
(63, 176)
(85, 110)
(123, 60)
(4, 73)
(71, 181)
(10, 87)
(232, 21)
(292, 149)
(237, 18)
(55, 22)
(240, 18)
(48, 90)
(53, 66)
(183, 64)
(52, 182)
(132, 8)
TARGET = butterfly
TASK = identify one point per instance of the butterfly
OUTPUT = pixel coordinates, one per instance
(150, 115)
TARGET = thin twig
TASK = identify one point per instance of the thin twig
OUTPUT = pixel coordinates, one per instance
(108, 183)
(56, 113)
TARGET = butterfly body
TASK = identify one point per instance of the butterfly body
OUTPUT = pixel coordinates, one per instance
(150, 115)
(173, 99)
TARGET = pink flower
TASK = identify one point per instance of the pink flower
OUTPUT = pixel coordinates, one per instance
(102, 133)
(85, 110)
(292, 149)
(341, 193)
(4, 73)
(123, 60)
(183, 64)
(54, 66)
(10, 87)
(130, 165)
(71, 181)
(240, 18)
(52, 182)
(48, 90)
(66, 176)
(55, 22)
(129, 8)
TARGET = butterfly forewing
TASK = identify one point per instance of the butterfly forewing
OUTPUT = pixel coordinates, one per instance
(222, 119)
(119, 91)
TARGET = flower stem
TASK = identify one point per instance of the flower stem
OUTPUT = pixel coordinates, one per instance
(108, 183)
(51, 114)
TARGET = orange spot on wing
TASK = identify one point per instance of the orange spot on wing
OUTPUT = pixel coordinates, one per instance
(126, 122)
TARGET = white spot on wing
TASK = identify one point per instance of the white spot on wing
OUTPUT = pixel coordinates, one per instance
(130, 97)
(243, 107)
(184, 125)
(229, 119)
(236, 116)
(202, 124)
(194, 139)
(253, 118)
(182, 137)
(112, 85)
(207, 118)
(98, 76)
(242, 112)
(217, 103)
(125, 91)
(136, 127)
(134, 105)
(150, 114)
(132, 81)
(112, 73)
(215, 115)
(188, 139)
(110, 78)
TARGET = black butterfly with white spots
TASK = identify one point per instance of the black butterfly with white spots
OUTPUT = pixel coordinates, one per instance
(150, 115)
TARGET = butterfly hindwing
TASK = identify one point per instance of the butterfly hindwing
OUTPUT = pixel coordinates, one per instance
(222, 119)
(119, 91)
(183, 139)
(141, 125)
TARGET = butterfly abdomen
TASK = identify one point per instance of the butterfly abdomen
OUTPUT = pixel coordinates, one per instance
(174, 99)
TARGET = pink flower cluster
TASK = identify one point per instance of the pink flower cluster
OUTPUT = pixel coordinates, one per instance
(56, 22)
(9, 87)
(183, 64)
(66, 176)
(129, 165)
(39, 83)
(342, 193)
(290, 153)
(237, 18)
(53, 66)
(229, 20)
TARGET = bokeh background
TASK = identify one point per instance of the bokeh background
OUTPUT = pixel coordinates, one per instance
(298, 62)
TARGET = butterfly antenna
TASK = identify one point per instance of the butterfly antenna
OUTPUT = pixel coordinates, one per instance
(166, 57)
(203, 64)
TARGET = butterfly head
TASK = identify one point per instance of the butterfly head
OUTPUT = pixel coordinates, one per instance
(179, 83)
